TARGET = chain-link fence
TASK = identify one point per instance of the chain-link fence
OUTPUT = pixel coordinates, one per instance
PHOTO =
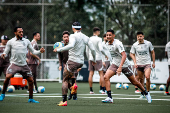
(52, 17)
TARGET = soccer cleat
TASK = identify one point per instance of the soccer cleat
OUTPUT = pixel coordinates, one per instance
(70, 96)
(91, 92)
(166, 93)
(35, 91)
(75, 96)
(101, 91)
(32, 101)
(142, 97)
(62, 103)
(148, 97)
(137, 91)
(2, 97)
(74, 89)
(108, 100)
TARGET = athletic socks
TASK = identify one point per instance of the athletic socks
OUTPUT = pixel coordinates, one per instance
(100, 87)
(167, 89)
(109, 94)
(64, 98)
(30, 96)
(136, 88)
(91, 89)
(144, 92)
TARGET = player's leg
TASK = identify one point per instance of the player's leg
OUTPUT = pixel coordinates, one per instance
(141, 80)
(167, 83)
(5, 85)
(102, 81)
(90, 80)
(137, 78)
(147, 72)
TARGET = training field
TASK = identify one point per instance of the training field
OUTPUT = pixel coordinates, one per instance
(125, 101)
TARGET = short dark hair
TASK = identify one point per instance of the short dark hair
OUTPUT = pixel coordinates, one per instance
(110, 30)
(15, 29)
(34, 34)
(66, 32)
(138, 33)
(104, 35)
(77, 24)
(96, 29)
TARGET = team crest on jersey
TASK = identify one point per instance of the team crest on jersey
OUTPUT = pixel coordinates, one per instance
(23, 43)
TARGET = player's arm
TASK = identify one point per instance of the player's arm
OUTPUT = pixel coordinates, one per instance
(153, 58)
(7, 49)
(33, 51)
(87, 52)
(152, 54)
(93, 52)
(36, 57)
(101, 48)
(60, 60)
(71, 44)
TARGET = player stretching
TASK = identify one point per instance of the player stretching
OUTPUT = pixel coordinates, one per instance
(18, 47)
(97, 43)
(140, 53)
(106, 62)
(76, 47)
(167, 54)
(119, 64)
(63, 57)
(4, 63)
(33, 60)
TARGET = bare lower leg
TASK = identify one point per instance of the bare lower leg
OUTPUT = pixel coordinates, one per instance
(30, 83)
(6, 82)
(167, 84)
(147, 76)
(91, 78)
(102, 78)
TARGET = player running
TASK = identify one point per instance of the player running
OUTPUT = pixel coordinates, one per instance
(119, 64)
(167, 54)
(4, 63)
(140, 53)
(18, 47)
(76, 47)
(97, 43)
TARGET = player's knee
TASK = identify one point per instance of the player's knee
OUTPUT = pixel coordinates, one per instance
(148, 78)
(106, 78)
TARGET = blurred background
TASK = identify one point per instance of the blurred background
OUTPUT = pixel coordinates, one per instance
(52, 17)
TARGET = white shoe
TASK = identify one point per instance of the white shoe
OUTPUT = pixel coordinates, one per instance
(101, 91)
(108, 100)
(142, 97)
(137, 91)
(91, 92)
(33, 91)
(148, 97)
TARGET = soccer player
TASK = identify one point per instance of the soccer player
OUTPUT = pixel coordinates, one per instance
(76, 47)
(4, 63)
(18, 47)
(33, 60)
(63, 57)
(106, 62)
(140, 53)
(119, 64)
(97, 43)
(167, 54)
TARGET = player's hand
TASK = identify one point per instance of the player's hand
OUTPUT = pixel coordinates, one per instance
(78, 69)
(153, 65)
(119, 70)
(42, 50)
(106, 57)
(27, 60)
(135, 65)
(39, 61)
(93, 63)
(60, 67)
(55, 50)
(104, 64)
(3, 56)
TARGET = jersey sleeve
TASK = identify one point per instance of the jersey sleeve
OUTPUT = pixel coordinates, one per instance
(31, 49)
(7, 48)
(166, 48)
(151, 48)
(132, 50)
(120, 47)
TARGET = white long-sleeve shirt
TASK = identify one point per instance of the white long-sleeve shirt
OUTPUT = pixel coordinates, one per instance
(18, 49)
(97, 43)
(107, 52)
(76, 47)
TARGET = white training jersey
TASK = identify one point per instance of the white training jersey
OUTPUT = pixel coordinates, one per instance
(142, 52)
(107, 52)
(167, 49)
(18, 50)
(76, 47)
(97, 43)
(115, 49)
